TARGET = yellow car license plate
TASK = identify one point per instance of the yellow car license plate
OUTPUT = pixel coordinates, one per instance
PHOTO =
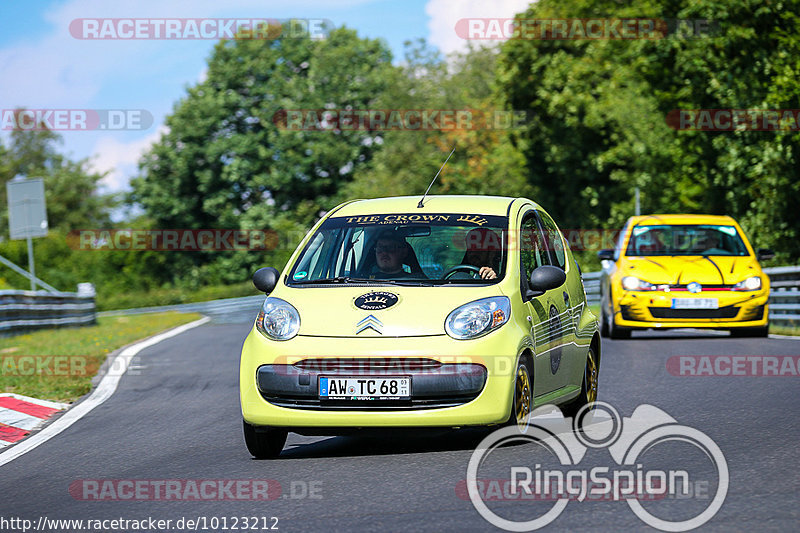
(364, 388)
(695, 303)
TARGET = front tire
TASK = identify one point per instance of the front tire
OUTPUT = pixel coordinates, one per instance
(523, 396)
(751, 332)
(604, 329)
(588, 392)
(264, 442)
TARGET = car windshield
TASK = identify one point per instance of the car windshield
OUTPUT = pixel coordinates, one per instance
(410, 248)
(702, 239)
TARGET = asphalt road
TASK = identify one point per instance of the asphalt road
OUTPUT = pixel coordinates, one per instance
(175, 416)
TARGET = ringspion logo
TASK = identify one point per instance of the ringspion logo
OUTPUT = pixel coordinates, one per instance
(629, 441)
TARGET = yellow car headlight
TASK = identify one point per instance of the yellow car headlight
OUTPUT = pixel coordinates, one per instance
(478, 318)
(631, 283)
(278, 320)
(752, 283)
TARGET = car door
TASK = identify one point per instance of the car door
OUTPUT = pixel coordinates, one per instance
(568, 359)
(543, 309)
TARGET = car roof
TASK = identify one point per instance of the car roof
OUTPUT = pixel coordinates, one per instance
(484, 205)
(651, 220)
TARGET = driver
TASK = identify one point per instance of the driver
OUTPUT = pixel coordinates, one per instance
(390, 252)
(483, 251)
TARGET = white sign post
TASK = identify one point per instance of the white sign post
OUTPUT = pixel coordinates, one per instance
(27, 214)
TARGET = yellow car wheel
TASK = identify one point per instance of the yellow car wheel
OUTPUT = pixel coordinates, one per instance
(523, 397)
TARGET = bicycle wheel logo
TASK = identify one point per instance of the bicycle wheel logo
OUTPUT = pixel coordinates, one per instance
(627, 441)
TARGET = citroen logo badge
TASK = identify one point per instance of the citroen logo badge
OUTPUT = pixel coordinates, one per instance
(370, 322)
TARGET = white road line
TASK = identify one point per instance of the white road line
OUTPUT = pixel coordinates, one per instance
(104, 390)
(19, 420)
(790, 337)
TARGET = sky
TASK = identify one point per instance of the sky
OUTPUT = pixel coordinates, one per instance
(44, 66)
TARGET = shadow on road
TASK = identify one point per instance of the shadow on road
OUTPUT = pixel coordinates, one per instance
(387, 442)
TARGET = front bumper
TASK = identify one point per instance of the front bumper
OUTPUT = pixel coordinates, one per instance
(655, 310)
(473, 386)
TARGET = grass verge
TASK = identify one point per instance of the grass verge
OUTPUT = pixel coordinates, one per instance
(59, 364)
(785, 330)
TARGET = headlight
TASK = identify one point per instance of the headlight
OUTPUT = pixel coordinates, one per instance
(630, 283)
(278, 320)
(750, 284)
(478, 318)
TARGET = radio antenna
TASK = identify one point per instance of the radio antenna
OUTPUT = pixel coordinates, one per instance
(419, 205)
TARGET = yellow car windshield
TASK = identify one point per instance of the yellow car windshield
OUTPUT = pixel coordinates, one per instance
(433, 248)
(699, 239)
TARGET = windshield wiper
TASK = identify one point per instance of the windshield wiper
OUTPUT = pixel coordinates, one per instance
(347, 279)
(344, 280)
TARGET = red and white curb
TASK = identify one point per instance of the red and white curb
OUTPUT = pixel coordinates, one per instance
(101, 393)
(19, 415)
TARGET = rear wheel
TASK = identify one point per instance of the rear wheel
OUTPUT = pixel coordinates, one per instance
(523, 396)
(588, 392)
(264, 442)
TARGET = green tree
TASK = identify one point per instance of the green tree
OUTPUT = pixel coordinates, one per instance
(72, 189)
(226, 161)
(600, 111)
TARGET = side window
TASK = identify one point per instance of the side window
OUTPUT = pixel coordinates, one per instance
(351, 252)
(621, 240)
(533, 252)
(554, 240)
(311, 266)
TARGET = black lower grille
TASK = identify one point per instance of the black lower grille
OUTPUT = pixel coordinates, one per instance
(358, 405)
(667, 312)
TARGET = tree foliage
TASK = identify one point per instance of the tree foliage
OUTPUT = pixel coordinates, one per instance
(600, 112)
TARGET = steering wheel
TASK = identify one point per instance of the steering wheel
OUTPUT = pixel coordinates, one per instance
(466, 268)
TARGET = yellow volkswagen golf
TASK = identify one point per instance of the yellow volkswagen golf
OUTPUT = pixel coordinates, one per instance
(683, 271)
(449, 311)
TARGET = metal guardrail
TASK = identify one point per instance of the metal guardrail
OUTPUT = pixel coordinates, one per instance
(28, 310)
(784, 296)
(214, 308)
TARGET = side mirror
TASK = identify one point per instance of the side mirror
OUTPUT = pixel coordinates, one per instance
(545, 278)
(605, 255)
(764, 253)
(266, 279)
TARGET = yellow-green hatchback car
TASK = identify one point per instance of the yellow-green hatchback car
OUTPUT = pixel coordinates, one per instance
(446, 312)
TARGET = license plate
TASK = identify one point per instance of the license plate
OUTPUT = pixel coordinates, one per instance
(695, 303)
(364, 388)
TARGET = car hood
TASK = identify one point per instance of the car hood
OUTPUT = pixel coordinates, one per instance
(332, 312)
(677, 270)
